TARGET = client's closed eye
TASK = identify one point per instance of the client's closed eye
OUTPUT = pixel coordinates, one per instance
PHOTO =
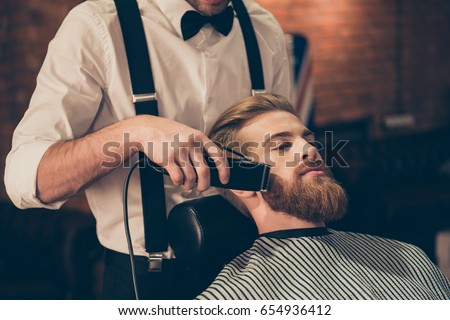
(284, 146)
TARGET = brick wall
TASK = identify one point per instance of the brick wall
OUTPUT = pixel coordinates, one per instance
(356, 46)
(6, 83)
(354, 43)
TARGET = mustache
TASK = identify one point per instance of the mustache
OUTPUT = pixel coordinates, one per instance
(308, 164)
(298, 172)
(313, 164)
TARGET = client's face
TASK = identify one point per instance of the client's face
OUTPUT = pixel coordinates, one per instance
(300, 185)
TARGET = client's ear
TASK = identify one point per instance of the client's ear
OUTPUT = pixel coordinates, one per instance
(243, 194)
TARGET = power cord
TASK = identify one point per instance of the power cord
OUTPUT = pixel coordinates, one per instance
(127, 226)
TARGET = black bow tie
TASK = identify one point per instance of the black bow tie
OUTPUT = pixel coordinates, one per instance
(192, 22)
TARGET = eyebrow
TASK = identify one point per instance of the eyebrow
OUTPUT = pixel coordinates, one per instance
(288, 134)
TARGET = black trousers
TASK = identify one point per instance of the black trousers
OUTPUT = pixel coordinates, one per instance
(174, 282)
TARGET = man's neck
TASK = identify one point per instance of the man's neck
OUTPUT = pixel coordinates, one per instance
(275, 221)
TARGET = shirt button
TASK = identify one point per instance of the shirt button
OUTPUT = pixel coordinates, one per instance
(210, 100)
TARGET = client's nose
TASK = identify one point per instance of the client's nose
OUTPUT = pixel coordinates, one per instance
(311, 154)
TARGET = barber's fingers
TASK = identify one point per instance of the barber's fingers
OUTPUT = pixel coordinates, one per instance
(219, 157)
(201, 168)
(175, 173)
(182, 158)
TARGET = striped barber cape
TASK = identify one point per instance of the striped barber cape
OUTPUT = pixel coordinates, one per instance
(324, 264)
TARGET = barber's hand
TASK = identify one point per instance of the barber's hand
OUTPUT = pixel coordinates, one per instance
(179, 149)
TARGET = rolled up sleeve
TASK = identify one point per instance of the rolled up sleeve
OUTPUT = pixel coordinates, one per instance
(20, 175)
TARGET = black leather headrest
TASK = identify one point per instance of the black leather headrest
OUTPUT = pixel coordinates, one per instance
(207, 233)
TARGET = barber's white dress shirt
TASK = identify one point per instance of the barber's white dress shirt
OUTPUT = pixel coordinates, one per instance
(84, 85)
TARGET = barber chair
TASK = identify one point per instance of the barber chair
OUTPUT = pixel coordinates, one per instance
(205, 234)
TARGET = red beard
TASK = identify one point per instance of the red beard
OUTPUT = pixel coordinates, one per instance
(314, 198)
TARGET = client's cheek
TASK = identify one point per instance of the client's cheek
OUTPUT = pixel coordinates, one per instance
(293, 159)
(282, 174)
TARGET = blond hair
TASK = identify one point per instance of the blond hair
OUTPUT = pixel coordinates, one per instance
(225, 130)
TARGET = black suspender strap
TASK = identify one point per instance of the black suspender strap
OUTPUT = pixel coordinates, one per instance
(144, 99)
(141, 74)
(251, 46)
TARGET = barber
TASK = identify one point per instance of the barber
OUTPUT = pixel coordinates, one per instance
(81, 131)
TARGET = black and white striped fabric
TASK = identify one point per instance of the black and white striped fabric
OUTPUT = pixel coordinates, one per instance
(325, 264)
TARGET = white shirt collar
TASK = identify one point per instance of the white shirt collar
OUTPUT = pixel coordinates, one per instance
(174, 10)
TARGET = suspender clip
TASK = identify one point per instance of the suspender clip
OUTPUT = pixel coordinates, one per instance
(144, 97)
(155, 262)
(258, 91)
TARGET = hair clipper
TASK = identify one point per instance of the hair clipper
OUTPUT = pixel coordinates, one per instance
(244, 174)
